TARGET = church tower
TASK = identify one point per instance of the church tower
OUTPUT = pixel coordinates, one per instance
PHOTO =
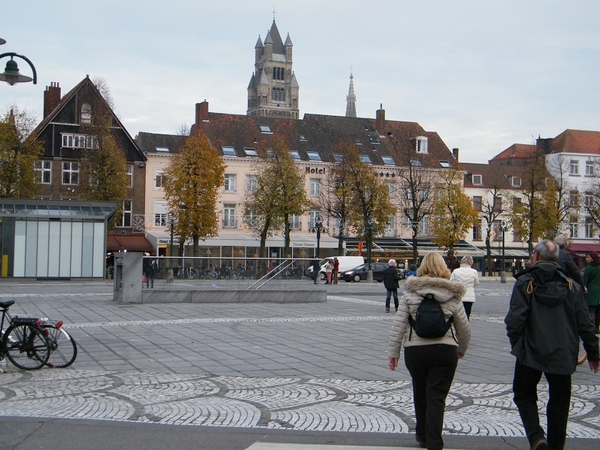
(273, 89)
(351, 99)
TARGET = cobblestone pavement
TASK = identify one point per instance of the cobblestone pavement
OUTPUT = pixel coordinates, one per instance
(309, 367)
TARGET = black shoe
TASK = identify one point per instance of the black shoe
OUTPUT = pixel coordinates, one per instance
(387, 310)
(540, 444)
(422, 444)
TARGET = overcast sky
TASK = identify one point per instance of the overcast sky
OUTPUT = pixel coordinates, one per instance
(482, 74)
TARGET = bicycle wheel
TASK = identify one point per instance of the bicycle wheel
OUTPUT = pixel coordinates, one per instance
(26, 346)
(63, 348)
(582, 356)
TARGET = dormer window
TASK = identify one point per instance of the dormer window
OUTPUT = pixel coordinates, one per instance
(421, 144)
(314, 156)
(445, 164)
(388, 160)
(228, 150)
(477, 180)
(295, 154)
(365, 159)
(265, 129)
(250, 151)
(515, 181)
(338, 158)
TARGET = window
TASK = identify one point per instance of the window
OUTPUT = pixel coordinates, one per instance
(302, 138)
(312, 218)
(445, 164)
(574, 228)
(228, 150)
(514, 181)
(70, 140)
(70, 172)
(477, 179)
(588, 200)
(250, 151)
(229, 216)
(365, 159)
(251, 183)
(338, 158)
(43, 172)
(388, 160)
(497, 204)
(294, 222)
(161, 214)
(574, 199)
(477, 234)
(265, 129)
(278, 94)
(589, 168)
(86, 113)
(279, 73)
(589, 228)
(392, 189)
(421, 144)
(126, 217)
(130, 174)
(415, 163)
(390, 229)
(159, 178)
(477, 201)
(314, 156)
(250, 219)
(162, 149)
(357, 141)
(295, 154)
(230, 182)
(574, 167)
(315, 186)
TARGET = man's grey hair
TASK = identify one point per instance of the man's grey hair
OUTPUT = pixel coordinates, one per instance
(547, 250)
(561, 240)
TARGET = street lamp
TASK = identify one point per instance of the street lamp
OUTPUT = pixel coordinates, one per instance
(11, 73)
(369, 248)
(172, 225)
(504, 228)
(317, 228)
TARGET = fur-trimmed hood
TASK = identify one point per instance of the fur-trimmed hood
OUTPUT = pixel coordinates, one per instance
(442, 289)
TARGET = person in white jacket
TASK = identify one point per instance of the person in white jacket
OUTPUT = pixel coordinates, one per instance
(468, 276)
(431, 362)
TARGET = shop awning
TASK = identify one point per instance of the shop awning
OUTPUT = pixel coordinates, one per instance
(583, 248)
(130, 243)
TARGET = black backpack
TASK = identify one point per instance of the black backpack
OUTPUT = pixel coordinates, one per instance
(430, 322)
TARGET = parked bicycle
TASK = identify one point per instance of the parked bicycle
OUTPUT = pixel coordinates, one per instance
(24, 341)
(63, 348)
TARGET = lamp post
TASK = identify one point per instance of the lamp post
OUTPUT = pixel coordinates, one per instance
(172, 225)
(369, 248)
(504, 228)
(11, 73)
(317, 228)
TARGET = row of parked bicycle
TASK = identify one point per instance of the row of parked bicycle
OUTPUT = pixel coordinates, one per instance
(32, 343)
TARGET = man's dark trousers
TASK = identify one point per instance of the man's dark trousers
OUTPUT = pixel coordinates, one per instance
(557, 411)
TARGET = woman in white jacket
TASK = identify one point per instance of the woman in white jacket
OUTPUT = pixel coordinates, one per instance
(468, 276)
(431, 362)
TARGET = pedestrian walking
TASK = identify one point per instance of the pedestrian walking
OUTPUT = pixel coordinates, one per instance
(431, 362)
(452, 261)
(547, 315)
(150, 272)
(336, 270)
(566, 261)
(328, 271)
(315, 270)
(469, 277)
(591, 287)
(390, 281)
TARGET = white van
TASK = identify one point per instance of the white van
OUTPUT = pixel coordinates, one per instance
(346, 263)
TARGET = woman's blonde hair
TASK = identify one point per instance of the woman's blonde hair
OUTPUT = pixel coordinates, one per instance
(467, 260)
(433, 265)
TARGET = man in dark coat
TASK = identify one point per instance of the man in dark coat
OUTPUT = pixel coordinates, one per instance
(390, 281)
(547, 316)
(566, 261)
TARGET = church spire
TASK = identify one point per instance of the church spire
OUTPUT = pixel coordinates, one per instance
(351, 99)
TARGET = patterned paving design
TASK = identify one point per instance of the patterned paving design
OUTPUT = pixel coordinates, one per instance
(270, 403)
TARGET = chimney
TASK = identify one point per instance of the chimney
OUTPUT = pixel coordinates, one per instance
(51, 98)
(201, 112)
(455, 153)
(380, 120)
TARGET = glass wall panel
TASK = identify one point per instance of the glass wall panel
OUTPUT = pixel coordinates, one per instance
(65, 249)
(87, 247)
(31, 244)
(99, 246)
(20, 253)
(42, 249)
(53, 249)
(76, 248)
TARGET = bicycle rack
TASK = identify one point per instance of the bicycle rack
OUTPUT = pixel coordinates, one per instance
(269, 276)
